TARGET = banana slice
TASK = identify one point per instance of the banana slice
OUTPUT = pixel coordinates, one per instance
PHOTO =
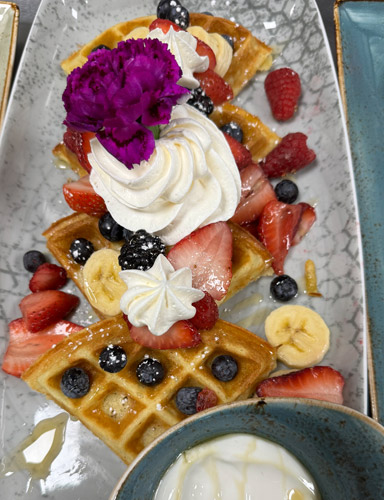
(103, 285)
(300, 335)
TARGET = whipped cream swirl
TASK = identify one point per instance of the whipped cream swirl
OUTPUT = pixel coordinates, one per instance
(183, 46)
(190, 180)
(159, 297)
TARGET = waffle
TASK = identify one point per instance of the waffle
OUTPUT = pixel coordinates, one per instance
(257, 137)
(127, 415)
(250, 259)
(249, 56)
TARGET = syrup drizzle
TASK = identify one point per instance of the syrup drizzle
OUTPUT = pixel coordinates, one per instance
(36, 453)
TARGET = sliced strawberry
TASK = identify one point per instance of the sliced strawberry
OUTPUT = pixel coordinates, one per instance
(283, 89)
(214, 86)
(25, 347)
(208, 252)
(206, 399)
(81, 197)
(318, 382)
(79, 143)
(290, 155)
(205, 50)
(164, 25)
(256, 192)
(181, 334)
(242, 155)
(308, 217)
(207, 313)
(48, 277)
(41, 309)
(277, 227)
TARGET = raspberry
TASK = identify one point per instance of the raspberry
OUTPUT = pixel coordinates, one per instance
(206, 399)
(290, 155)
(207, 313)
(283, 90)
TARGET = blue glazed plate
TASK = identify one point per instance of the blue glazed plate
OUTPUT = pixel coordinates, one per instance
(325, 437)
(31, 185)
(360, 43)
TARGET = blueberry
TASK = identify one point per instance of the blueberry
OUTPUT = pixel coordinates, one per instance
(164, 7)
(32, 260)
(81, 249)
(150, 371)
(224, 368)
(234, 130)
(186, 399)
(283, 288)
(98, 47)
(112, 359)
(286, 191)
(109, 228)
(75, 383)
(179, 15)
(229, 40)
(207, 13)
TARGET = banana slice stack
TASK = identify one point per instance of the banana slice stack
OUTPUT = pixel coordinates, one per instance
(103, 285)
(300, 335)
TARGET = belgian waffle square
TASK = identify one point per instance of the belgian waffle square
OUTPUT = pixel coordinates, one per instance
(250, 259)
(249, 55)
(128, 415)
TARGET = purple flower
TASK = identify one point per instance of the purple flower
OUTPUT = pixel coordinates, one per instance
(120, 92)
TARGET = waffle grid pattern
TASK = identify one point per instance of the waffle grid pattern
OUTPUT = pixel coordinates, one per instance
(128, 415)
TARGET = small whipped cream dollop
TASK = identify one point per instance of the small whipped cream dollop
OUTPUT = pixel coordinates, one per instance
(159, 297)
(190, 180)
(237, 467)
(183, 46)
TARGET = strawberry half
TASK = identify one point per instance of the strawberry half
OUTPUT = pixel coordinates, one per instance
(277, 227)
(308, 217)
(79, 143)
(319, 382)
(41, 309)
(214, 86)
(283, 89)
(164, 25)
(25, 347)
(48, 277)
(181, 335)
(256, 192)
(207, 313)
(242, 155)
(208, 253)
(81, 197)
(289, 156)
(204, 49)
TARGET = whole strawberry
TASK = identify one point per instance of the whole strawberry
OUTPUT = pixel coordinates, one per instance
(283, 90)
(289, 156)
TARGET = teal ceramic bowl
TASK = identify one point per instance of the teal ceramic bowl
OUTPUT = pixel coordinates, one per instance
(342, 449)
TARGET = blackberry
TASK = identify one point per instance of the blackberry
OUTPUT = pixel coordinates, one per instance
(286, 191)
(224, 368)
(109, 228)
(150, 371)
(164, 7)
(112, 359)
(98, 47)
(229, 40)
(200, 101)
(75, 383)
(141, 251)
(81, 249)
(234, 130)
(32, 260)
(179, 15)
(186, 399)
(283, 288)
